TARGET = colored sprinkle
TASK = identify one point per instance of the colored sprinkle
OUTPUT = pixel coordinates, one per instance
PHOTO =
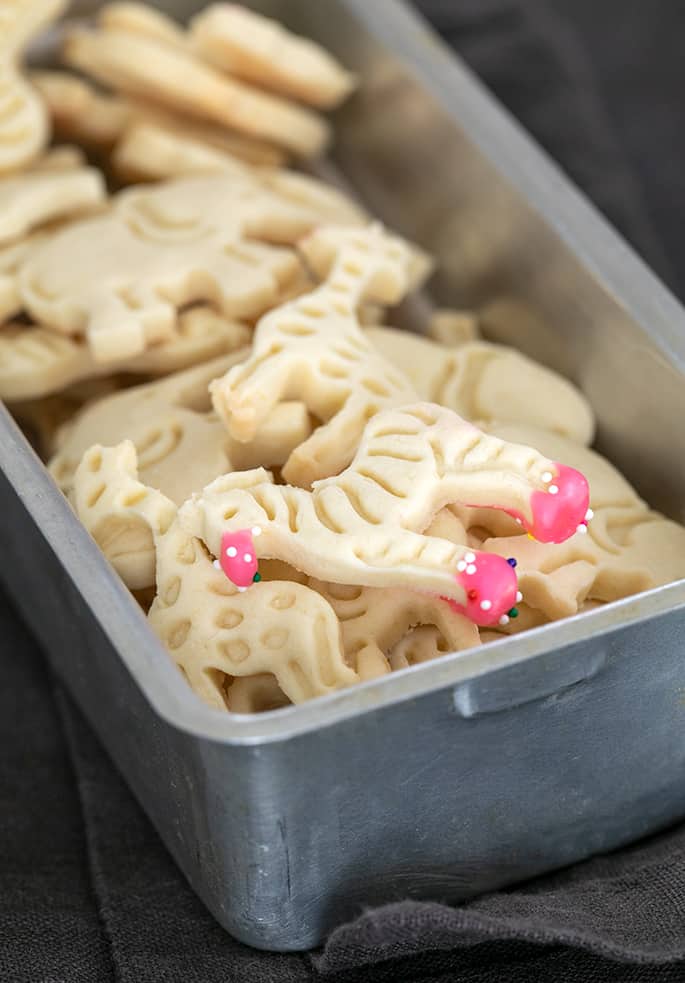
(257, 577)
(513, 613)
(512, 562)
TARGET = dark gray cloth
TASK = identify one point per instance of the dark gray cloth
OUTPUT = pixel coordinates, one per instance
(87, 891)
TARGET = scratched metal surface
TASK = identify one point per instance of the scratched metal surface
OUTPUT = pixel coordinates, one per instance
(484, 767)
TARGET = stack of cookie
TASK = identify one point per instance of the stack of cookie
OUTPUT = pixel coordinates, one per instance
(300, 496)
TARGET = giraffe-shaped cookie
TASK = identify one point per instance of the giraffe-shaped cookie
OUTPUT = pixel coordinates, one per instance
(179, 242)
(365, 525)
(315, 347)
(212, 631)
(24, 127)
(374, 618)
(628, 548)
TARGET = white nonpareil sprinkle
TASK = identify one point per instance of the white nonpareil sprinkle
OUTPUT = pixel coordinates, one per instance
(519, 596)
(256, 530)
(461, 566)
(247, 557)
(553, 490)
(471, 568)
(231, 551)
(470, 557)
(504, 620)
(486, 605)
(546, 476)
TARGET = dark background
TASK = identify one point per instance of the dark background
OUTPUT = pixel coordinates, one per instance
(87, 893)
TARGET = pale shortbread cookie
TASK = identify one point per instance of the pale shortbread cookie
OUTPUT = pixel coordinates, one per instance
(99, 120)
(142, 66)
(42, 419)
(12, 257)
(246, 148)
(35, 361)
(24, 129)
(139, 18)
(315, 347)
(365, 525)
(375, 620)
(299, 285)
(42, 195)
(260, 50)
(423, 644)
(79, 112)
(213, 632)
(628, 547)
(255, 694)
(450, 327)
(24, 209)
(181, 444)
(148, 152)
(487, 383)
(322, 250)
(64, 158)
(171, 244)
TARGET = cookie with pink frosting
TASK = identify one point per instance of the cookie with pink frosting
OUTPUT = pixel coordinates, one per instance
(367, 525)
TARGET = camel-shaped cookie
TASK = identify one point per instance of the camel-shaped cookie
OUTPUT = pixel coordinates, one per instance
(365, 525)
(24, 130)
(181, 445)
(178, 242)
(212, 631)
(488, 383)
(315, 347)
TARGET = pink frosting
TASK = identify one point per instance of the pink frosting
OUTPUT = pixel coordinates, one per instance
(556, 517)
(491, 587)
(238, 559)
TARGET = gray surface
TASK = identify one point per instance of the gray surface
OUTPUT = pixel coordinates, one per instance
(429, 783)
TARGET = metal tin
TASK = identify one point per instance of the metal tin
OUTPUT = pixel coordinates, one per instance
(487, 766)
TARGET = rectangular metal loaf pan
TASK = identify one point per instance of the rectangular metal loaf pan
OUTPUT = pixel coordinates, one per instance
(485, 767)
